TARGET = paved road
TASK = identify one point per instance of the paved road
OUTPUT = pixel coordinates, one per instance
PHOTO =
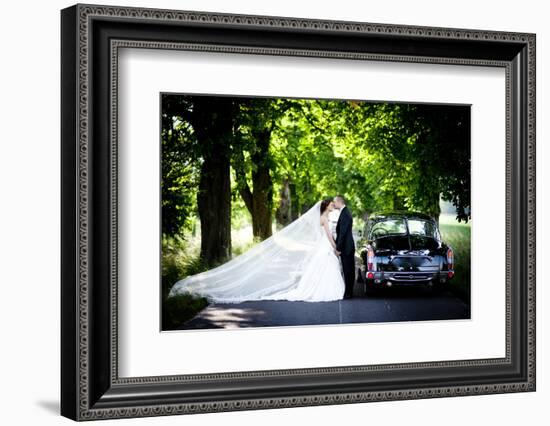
(396, 304)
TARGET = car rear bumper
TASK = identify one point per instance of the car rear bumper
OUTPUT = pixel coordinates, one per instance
(409, 277)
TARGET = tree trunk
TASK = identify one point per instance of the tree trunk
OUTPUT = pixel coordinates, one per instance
(295, 209)
(262, 202)
(214, 205)
(284, 212)
(212, 123)
(259, 199)
(435, 209)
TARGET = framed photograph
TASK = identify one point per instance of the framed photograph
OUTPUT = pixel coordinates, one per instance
(263, 212)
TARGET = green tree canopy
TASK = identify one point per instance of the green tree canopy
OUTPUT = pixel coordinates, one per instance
(282, 155)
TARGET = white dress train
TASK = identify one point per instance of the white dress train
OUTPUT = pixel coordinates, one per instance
(295, 263)
(321, 279)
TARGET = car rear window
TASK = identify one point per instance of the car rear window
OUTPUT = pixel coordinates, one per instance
(388, 227)
(423, 228)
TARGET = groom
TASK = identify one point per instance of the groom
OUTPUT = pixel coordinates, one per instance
(345, 246)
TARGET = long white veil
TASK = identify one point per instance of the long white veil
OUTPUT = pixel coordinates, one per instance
(266, 271)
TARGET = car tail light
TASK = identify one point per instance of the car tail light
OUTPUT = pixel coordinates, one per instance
(370, 258)
(450, 259)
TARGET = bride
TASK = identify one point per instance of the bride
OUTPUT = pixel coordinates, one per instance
(299, 262)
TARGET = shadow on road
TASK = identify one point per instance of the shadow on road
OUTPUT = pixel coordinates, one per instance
(226, 316)
(389, 305)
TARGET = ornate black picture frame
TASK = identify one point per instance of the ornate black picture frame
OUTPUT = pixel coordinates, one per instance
(90, 385)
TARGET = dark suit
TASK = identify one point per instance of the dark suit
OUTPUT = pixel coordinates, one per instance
(346, 246)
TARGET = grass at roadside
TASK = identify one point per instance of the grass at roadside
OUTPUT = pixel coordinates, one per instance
(457, 235)
(179, 259)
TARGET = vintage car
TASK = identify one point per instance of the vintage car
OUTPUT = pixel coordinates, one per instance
(403, 248)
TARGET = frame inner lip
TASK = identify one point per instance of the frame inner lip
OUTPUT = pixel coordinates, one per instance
(115, 44)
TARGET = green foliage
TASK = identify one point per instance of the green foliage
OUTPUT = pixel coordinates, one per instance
(442, 152)
(180, 308)
(457, 235)
(180, 258)
(180, 167)
(305, 146)
(381, 156)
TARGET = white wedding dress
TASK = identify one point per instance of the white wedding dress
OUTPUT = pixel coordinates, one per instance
(295, 263)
